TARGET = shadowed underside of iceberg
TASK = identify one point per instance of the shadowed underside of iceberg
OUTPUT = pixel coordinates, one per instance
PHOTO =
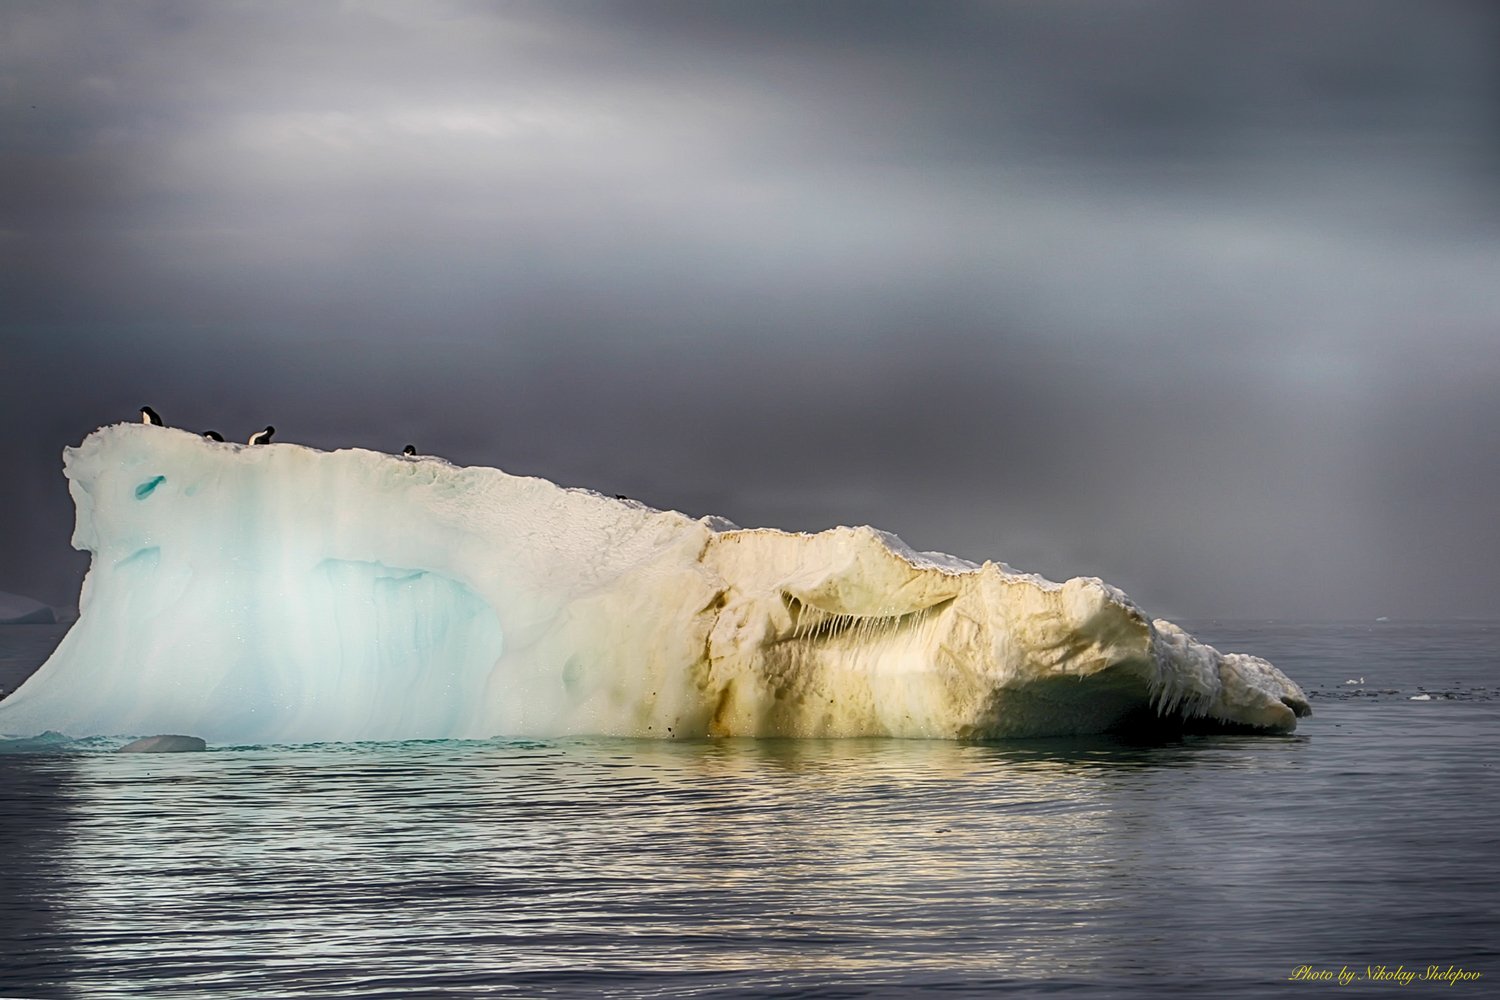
(280, 593)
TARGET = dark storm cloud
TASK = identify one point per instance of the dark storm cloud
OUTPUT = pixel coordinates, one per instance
(1192, 296)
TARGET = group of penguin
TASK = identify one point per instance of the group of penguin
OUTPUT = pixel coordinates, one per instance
(150, 416)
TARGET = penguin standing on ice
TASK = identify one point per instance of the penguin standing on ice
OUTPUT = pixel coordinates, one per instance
(263, 437)
(213, 435)
(409, 450)
(148, 416)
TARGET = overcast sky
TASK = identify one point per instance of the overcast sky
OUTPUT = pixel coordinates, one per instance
(1199, 297)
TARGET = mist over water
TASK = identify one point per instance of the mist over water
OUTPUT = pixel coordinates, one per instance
(778, 867)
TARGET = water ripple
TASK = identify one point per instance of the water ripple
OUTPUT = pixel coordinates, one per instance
(764, 868)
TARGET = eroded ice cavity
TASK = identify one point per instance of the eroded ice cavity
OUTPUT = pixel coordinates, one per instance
(280, 593)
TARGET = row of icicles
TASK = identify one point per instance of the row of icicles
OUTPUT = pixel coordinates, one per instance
(864, 632)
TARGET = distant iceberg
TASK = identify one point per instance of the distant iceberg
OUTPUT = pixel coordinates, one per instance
(18, 610)
(278, 593)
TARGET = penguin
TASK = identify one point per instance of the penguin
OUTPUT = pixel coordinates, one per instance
(410, 449)
(148, 416)
(263, 437)
(213, 435)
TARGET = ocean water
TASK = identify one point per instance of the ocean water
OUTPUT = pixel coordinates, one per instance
(1197, 866)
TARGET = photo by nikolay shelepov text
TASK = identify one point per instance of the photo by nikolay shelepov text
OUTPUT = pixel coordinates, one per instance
(1450, 975)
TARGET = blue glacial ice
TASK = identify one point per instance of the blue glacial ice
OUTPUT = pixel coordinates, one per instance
(280, 593)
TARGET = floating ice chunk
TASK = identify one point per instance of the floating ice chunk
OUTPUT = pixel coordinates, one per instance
(278, 593)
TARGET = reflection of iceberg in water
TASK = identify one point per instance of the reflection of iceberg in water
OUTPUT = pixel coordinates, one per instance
(279, 593)
(734, 860)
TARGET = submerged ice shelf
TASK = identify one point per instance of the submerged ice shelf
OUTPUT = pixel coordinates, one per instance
(281, 593)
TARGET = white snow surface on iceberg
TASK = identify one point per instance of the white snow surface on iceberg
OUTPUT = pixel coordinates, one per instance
(278, 593)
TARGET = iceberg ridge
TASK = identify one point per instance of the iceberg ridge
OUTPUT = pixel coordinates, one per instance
(279, 593)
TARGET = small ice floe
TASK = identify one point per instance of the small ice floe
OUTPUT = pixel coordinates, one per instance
(1420, 697)
(1354, 680)
(1382, 618)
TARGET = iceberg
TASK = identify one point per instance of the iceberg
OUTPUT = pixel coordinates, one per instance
(18, 610)
(279, 593)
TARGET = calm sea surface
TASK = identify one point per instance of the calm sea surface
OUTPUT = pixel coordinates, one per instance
(1206, 866)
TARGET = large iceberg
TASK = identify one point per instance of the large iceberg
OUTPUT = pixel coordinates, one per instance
(278, 593)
